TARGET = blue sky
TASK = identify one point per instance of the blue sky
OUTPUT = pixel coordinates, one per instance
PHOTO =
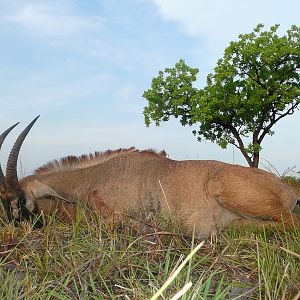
(83, 66)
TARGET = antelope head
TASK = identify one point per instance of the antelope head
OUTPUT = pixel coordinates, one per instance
(11, 193)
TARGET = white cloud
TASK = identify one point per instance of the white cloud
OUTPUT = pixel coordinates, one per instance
(50, 18)
(221, 21)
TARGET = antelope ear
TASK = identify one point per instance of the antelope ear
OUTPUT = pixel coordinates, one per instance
(42, 190)
(36, 190)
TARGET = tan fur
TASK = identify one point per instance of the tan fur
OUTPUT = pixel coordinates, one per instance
(205, 195)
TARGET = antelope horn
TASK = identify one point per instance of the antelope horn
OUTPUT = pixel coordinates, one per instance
(2, 138)
(11, 169)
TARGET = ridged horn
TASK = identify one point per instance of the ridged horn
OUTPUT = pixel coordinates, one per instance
(11, 179)
(2, 138)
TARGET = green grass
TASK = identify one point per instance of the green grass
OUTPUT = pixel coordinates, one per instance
(293, 181)
(134, 259)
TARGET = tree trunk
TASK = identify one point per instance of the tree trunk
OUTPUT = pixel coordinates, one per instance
(253, 163)
(255, 160)
(247, 157)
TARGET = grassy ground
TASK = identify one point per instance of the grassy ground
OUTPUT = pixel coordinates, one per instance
(133, 260)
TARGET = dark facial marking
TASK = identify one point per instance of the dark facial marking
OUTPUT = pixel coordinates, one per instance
(26, 215)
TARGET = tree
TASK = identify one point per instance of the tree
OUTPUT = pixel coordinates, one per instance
(253, 86)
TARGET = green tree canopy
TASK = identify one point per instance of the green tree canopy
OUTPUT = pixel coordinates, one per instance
(253, 86)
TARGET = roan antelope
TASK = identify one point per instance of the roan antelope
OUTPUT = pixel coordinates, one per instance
(205, 195)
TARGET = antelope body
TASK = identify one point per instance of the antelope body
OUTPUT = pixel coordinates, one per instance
(203, 195)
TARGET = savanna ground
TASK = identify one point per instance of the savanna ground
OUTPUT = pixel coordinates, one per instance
(133, 260)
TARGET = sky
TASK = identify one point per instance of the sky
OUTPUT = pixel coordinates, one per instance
(84, 65)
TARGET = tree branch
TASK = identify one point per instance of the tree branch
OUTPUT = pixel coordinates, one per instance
(290, 111)
(257, 79)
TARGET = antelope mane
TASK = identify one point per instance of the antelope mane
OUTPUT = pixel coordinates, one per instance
(72, 162)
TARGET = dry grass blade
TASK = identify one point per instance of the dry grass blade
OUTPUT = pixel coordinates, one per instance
(290, 252)
(182, 291)
(177, 271)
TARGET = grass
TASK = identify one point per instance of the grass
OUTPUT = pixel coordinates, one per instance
(293, 181)
(134, 259)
